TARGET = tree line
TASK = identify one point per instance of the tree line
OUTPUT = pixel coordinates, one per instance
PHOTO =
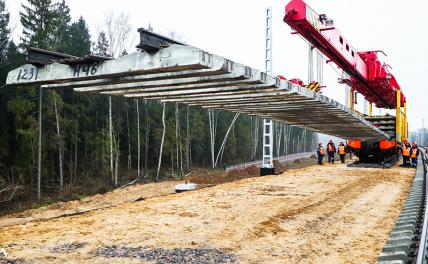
(90, 139)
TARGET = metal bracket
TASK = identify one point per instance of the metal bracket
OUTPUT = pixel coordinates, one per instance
(153, 42)
(41, 57)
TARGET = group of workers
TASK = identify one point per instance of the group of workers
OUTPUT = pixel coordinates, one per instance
(330, 151)
(410, 154)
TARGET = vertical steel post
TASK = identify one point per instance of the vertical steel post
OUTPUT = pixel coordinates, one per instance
(370, 109)
(351, 99)
(39, 154)
(365, 106)
(405, 121)
(398, 117)
(267, 123)
(310, 64)
(320, 68)
(347, 91)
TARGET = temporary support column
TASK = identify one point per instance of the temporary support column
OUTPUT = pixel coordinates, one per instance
(398, 117)
(267, 166)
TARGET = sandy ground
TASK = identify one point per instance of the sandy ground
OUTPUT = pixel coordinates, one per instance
(113, 198)
(318, 214)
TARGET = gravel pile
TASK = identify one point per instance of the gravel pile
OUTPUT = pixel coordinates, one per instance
(11, 261)
(67, 247)
(164, 256)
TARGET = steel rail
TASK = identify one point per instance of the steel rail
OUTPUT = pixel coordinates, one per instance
(423, 243)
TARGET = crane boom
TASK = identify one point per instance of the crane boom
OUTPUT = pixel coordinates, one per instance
(368, 75)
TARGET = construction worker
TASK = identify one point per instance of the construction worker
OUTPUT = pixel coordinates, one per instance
(342, 152)
(405, 151)
(320, 153)
(414, 153)
(331, 149)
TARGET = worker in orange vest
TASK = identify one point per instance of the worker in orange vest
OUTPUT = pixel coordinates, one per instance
(320, 153)
(342, 152)
(405, 152)
(331, 149)
(414, 153)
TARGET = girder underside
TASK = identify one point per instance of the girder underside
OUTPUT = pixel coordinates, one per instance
(188, 75)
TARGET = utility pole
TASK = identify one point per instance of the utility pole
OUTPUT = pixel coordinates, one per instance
(267, 161)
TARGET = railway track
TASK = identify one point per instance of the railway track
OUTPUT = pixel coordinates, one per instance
(408, 240)
(386, 164)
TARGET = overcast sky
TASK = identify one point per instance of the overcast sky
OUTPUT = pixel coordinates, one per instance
(235, 29)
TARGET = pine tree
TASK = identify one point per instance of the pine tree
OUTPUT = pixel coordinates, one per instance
(38, 21)
(61, 28)
(102, 45)
(79, 43)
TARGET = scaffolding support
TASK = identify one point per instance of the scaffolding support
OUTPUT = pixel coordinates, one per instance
(267, 166)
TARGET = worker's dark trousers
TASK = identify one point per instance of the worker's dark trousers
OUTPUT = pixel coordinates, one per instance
(406, 161)
(330, 157)
(414, 162)
(342, 158)
(320, 159)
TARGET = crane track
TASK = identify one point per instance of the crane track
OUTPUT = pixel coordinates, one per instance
(407, 242)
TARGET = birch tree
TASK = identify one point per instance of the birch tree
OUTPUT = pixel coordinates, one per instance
(138, 139)
(223, 144)
(60, 148)
(212, 119)
(162, 141)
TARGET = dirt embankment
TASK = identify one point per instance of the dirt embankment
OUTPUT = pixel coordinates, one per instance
(318, 214)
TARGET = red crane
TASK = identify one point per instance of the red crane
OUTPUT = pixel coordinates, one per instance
(368, 75)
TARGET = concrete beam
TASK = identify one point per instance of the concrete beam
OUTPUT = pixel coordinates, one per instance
(188, 75)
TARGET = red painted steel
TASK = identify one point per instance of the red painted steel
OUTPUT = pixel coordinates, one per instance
(387, 144)
(368, 75)
(354, 143)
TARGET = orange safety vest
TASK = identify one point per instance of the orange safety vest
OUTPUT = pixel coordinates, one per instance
(342, 150)
(414, 153)
(330, 148)
(406, 151)
(322, 152)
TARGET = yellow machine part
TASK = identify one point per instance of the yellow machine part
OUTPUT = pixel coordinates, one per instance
(401, 130)
(314, 86)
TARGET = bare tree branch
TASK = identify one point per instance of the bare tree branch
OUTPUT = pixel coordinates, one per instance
(118, 29)
(8, 193)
